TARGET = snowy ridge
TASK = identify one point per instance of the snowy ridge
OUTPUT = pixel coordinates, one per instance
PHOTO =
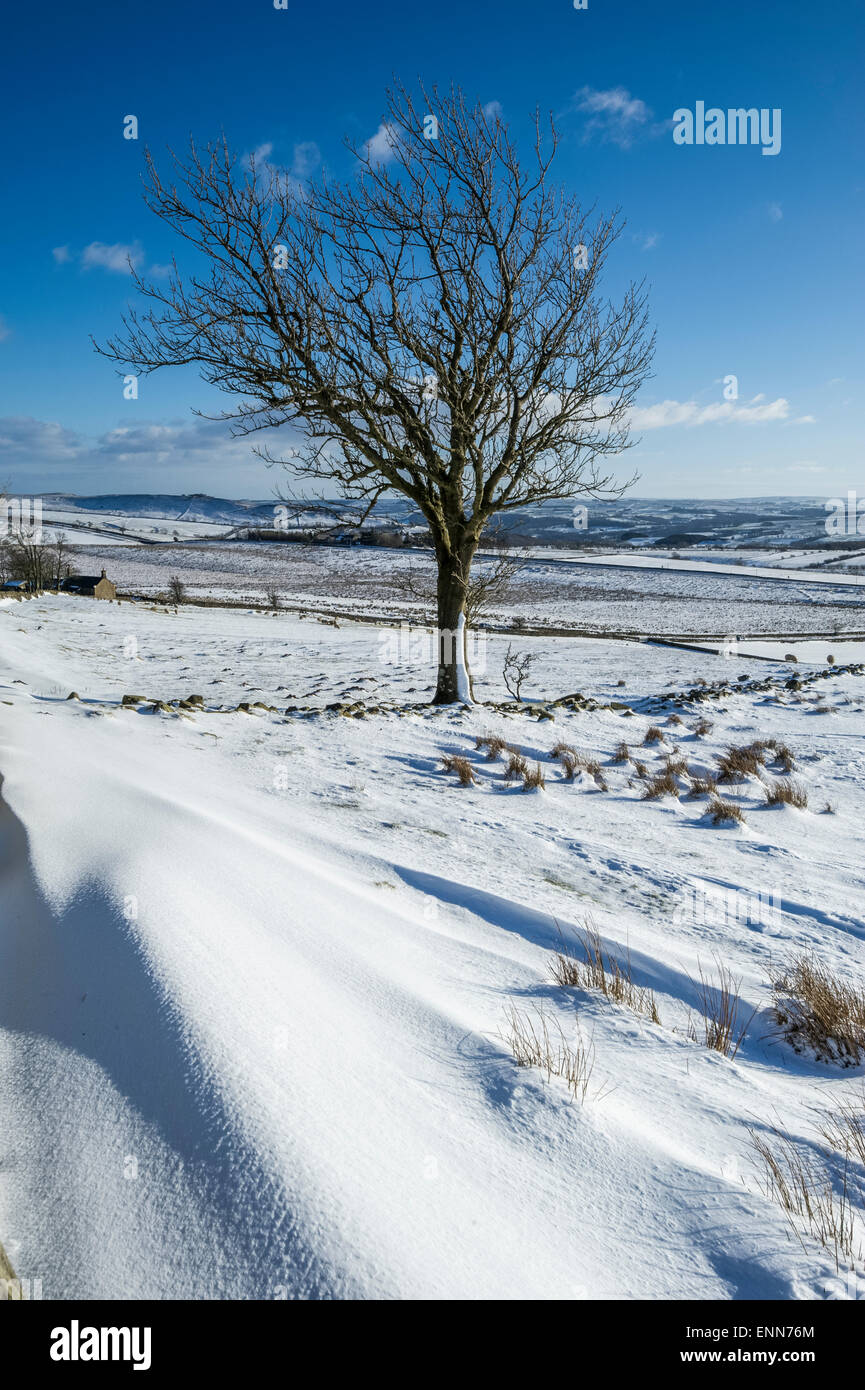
(260, 1016)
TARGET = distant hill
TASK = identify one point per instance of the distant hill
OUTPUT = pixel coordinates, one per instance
(633, 521)
(157, 506)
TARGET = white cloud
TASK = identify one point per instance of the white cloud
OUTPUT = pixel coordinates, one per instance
(24, 439)
(47, 454)
(776, 212)
(5, 330)
(307, 157)
(615, 115)
(381, 149)
(61, 254)
(493, 111)
(689, 413)
(115, 258)
(260, 155)
(805, 420)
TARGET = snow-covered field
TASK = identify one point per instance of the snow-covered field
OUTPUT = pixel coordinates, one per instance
(707, 565)
(256, 967)
(550, 593)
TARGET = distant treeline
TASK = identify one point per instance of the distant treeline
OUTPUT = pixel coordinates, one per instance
(389, 536)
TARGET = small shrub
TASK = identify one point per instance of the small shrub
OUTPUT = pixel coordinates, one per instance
(462, 767)
(816, 1009)
(703, 786)
(703, 727)
(653, 734)
(622, 753)
(786, 794)
(675, 719)
(641, 769)
(720, 811)
(516, 671)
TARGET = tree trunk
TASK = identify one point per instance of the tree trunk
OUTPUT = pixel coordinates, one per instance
(454, 681)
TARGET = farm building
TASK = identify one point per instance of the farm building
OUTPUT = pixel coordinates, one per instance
(89, 586)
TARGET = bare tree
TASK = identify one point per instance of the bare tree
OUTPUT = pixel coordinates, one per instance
(32, 557)
(60, 552)
(176, 589)
(516, 671)
(492, 582)
(435, 325)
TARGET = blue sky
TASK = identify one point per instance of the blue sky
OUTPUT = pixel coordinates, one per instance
(754, 261)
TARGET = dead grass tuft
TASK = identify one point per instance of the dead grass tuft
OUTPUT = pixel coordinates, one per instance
(535, 1042)
(738, 763)
(495, 745)
(818, 1010)
(594, 970)
(654, 734)
(814, 1190)
(462, 767)
(622, 753)
(662, 784)
(786, 794)
(517, 767)
(676, 765)
(723, 1028)
(573, 761)
(720, 811)
(703, 786)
